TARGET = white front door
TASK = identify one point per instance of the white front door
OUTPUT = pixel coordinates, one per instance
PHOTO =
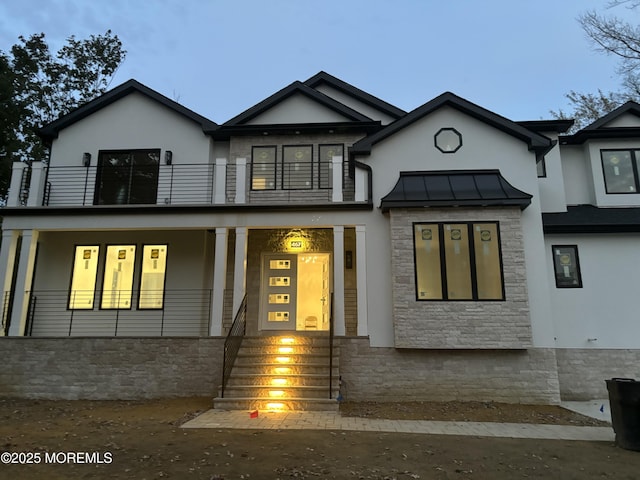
(295, 291)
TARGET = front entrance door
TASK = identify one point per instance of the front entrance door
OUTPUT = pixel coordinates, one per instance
(295, 291)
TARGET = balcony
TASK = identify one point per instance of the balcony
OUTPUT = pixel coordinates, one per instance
(218, 183)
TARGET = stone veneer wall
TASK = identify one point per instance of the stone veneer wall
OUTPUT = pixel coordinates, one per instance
(582, 372)
(110, 368)
(388, 374)
(460, 324)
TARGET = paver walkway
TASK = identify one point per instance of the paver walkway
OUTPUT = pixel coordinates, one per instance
(239, 419)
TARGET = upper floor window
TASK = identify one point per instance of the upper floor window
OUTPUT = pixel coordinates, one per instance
(263, 168)
(458, 261)
(297, 167)
(325, 165)
(127, 177)
(620, 169)
(566, 266)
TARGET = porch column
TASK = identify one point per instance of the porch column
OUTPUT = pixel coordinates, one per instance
(338, 281)
(15, 187)
(219, 282)
(24, 277)
(220, 179)
(36, 188)
(361, 282)
(338, 174)
(7, 262)
(240, 268)
(241, 180)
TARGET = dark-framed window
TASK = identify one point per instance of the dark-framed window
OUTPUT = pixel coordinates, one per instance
(127, 177)
(297, 167)
(83, 277)
(541, 167)
(458, 261)
(620, 169)
(152, 277)
(325, 163)
(263, 168)
(117, 284)
(566, 266)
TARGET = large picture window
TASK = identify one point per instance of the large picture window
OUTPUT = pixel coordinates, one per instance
(83, 277)
(458, 261)
(127, 177)
(117, 287)
(263, 168)
(620, 169)
(566, 266)
(154, 262)
(297, 167)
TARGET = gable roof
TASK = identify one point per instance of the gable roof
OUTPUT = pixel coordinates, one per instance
(321, 78)
(288, 91)
(51, 130)
(598, 128)
(535, 141)
(456, 188)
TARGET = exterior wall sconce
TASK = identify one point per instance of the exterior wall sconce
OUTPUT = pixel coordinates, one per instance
(86, 159)
(168, 157)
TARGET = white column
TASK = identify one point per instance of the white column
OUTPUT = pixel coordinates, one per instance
(220, 178)
(361, 274)
(241, 180)
(337, 172)
(14, 187)
(36, 187)
(24, 277)
(338, 281)
(219, 282)
(240, 268)
(7, 262)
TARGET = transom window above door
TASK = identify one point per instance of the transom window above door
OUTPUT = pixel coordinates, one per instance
(127, 177)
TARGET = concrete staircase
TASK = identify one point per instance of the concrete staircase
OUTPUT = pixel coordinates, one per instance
(284, 372)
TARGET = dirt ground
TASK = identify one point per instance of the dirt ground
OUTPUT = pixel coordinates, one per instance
(142, 440)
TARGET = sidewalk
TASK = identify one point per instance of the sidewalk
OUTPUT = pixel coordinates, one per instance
(240, 419)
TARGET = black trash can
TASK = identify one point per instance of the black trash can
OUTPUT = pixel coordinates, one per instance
(624, 399)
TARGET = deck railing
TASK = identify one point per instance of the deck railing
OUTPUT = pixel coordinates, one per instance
(118, 313)
(233, 342)
(331, 348)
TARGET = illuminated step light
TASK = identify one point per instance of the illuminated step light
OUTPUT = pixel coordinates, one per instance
(282, 370)
(283, 359)
(287, 340)
(279, 381)
(275, 406)
(285, 350)
(276, 393)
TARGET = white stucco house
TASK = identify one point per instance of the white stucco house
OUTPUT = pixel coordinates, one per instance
(445, 253)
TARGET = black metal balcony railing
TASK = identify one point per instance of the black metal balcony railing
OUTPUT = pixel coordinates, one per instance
(183, 313)
(233, 342)
(176, 184)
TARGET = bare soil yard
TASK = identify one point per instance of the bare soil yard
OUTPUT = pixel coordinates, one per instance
(142, 440)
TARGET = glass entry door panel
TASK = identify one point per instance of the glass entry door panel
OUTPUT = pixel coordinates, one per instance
(295, 291)
(279, 291)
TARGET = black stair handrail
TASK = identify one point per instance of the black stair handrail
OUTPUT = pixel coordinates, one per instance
(232, 343)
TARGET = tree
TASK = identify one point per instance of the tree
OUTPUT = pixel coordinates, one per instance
(37, 87)
(613, 36)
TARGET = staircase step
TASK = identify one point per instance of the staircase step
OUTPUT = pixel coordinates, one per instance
(290, 404)
(267, 379)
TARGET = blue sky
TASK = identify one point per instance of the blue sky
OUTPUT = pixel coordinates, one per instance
(219, 57)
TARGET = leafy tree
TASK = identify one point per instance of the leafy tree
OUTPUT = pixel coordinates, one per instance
(613, 36)
(37, 87)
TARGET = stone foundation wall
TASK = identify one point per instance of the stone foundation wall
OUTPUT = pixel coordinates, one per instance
(110, 368)
(582, 372)
(388, 374)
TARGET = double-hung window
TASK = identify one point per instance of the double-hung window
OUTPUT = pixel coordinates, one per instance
(127, 177)
(620, 169)
(458, 261)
